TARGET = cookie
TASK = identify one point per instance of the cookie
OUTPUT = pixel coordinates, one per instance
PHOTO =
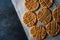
(52, 28)
(38, 32)
(31, 6)
(33, 31)
(44, 16)
(56, 14)
(45, 3)
(29, 18)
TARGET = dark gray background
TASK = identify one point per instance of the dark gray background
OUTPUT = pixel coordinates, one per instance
(10, 26)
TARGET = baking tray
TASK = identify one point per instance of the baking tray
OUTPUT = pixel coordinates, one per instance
(20, 9)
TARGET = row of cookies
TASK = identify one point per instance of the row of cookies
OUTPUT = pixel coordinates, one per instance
(33, 5)
(40, 32)
(52, 28)
(30, 18)
(45, 16)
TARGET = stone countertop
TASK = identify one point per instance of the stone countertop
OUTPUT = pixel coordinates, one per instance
(10, 26)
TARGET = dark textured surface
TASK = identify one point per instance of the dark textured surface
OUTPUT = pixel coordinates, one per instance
(10, 26)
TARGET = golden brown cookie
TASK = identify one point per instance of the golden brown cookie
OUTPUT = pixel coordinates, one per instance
(33, 31)
(31, 6)
(45, 3)
(52, 28)
(44, 16)
(56, 14)
(38, 32)
(29, 18)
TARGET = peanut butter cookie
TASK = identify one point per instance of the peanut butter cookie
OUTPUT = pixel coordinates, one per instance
(31, 6)
(29, 18)
(33, 31)
(56, 14)
(38, 32)
(45, 3)
(52, 28)
(44, 16)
